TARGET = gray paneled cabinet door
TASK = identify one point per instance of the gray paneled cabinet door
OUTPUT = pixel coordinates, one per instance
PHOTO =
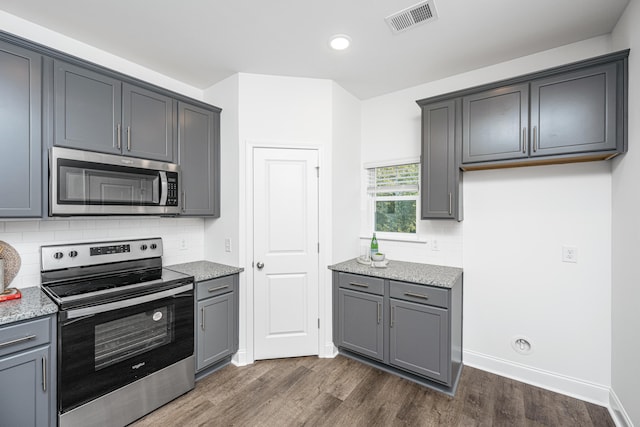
(199, 158)
(361, 326)
(216, 335)
(419, 339)
(25, 383)
(87, 109)
(148, 124)
(495, 124)
(20, 130)
(440, 172)
(574, 112)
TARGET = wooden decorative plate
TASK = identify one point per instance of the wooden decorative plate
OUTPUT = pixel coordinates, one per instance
(11, 262)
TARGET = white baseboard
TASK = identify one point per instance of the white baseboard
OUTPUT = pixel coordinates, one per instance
(328, 351)
(619, 415)
(240, 358)
(579, 389)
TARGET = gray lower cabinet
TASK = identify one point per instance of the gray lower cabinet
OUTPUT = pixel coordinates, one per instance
(409, 329)
(441, 194)
(217, 320)
(199, 159)
(20, 127)
(361, 329)
(26, 374)
(93, 111)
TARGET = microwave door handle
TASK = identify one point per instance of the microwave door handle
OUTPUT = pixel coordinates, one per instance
(86, 311)
(163, 188)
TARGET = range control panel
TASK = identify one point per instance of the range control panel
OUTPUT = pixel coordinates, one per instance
(55, 257)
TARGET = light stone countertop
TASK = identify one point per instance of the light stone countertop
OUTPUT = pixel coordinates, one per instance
(34, 303)
(424, 274)
(205, 270)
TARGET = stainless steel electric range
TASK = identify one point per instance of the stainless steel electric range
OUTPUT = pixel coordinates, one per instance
(125, 330)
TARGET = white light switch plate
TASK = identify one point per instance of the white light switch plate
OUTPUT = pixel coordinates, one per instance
(569, 254)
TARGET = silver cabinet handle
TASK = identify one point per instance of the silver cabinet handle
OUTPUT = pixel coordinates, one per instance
(202, 322)
(392, 315)
(17, 340)
(411, 294)
(450, 203)
(128, 138)
(218, 288)
(260, 265)
(524, 139)
(361, 285)
(119, 136)
(379, 304)
(184, 201)
(535, 139)
(44, 373)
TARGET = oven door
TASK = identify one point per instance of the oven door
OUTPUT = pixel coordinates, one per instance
(86, 183)
(101, 351)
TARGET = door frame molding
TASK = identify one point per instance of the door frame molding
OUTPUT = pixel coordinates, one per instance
(324, 236)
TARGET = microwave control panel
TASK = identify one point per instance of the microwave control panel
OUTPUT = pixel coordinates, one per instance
(172, 189)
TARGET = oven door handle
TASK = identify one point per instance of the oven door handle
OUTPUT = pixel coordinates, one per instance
(89, 311)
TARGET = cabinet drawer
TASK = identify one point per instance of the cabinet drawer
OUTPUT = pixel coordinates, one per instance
(422, 294)
(213, 287)
(20, 336)
(372, 285)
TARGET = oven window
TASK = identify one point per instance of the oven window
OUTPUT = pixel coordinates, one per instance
(126, 337)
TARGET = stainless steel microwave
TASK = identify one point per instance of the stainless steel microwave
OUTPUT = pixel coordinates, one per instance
(88, 183)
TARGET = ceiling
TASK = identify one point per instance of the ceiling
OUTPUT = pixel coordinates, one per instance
(201, 42)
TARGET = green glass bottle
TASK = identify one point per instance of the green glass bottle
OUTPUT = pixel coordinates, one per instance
(374, 245)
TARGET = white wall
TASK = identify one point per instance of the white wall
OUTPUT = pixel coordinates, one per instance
(38, 34)
(28, 236)
(626, 237)
(509, 243)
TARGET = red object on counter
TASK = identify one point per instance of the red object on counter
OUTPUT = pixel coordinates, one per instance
(9, 294)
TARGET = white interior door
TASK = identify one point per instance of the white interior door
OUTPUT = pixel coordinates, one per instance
(285, 203)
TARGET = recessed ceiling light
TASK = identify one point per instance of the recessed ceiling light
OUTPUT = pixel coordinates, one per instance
(340, 42)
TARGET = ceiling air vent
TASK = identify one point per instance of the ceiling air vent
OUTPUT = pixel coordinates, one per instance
(412, 16)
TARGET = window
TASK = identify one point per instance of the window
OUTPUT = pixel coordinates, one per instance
(394, 195)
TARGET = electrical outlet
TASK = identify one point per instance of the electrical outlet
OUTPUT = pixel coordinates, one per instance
(227, 245)
(183, 244)
(434, 245)
(569, 254)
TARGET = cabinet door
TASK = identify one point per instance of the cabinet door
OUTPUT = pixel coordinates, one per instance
(87, 109)
(199, 146)
(215, 329)
(440, 174)
(360, 323)
(419, 339)
(20, 127)
(495, 124)
(148, 124)
(25, 402)
(574, 112)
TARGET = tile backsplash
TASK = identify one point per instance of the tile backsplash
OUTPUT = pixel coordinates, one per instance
(183, 238)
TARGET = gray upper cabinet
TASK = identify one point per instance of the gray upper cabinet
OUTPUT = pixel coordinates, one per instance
(495, 124)
(87, 109)
(148, 124)
(20, 127)
(199, 158)
(96, 112)
(574, 112)
(441, 191)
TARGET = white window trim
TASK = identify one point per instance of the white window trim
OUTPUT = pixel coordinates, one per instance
(370, 217)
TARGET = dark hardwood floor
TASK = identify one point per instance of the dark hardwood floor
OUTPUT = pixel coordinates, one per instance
(342, 392)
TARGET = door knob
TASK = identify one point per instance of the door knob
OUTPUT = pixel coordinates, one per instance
(260, 265)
